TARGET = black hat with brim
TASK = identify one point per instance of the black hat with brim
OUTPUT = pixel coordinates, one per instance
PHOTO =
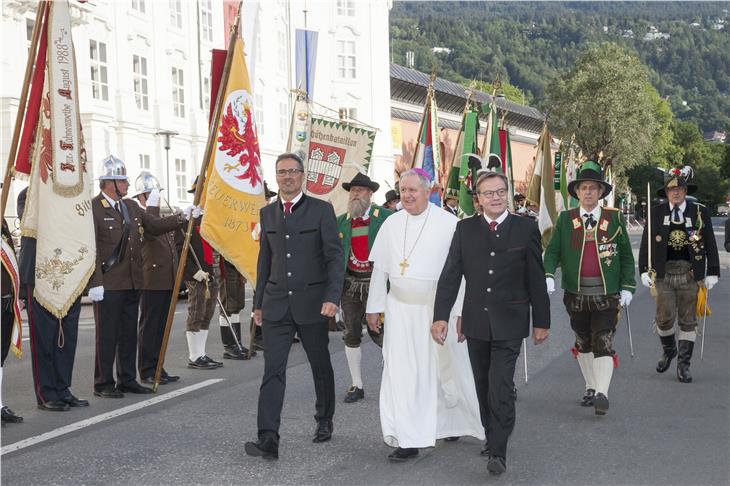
(589, 172)
(361, 180)
(391, 196)
(675, 178)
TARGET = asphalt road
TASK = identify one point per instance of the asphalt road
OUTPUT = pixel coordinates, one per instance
(657, 431)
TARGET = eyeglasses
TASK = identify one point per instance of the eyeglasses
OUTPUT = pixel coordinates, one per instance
(283, 172)
(491, 194)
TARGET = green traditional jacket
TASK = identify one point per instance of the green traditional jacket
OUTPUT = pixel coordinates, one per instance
(616, 259)
(344, 226)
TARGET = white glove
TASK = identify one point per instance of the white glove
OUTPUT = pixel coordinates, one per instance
(197, 211)
(96, 294)
(625, 298)
(201, 276)
(550, 283)
(646, 280)
(153, 199)
(710, 281)
(187, 212)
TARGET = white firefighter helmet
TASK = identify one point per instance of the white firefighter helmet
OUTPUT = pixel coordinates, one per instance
(145, 183)
(113, 169)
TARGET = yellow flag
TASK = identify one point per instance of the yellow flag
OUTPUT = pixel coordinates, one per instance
(234, 186)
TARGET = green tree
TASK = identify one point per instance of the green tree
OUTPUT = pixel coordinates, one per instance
(606, 101)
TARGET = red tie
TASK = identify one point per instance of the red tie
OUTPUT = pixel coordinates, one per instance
(287, 207)
(492, 226)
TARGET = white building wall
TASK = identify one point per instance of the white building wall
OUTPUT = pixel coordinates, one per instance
(273, 79)
(117, 126)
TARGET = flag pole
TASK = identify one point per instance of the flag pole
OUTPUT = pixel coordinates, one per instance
(40, 14)
(426, 108)
(196, 200)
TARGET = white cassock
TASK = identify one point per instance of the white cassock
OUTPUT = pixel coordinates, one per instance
(427, 391)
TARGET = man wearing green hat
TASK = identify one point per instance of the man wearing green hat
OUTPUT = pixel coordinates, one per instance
(683, 257)
(592, 247)
(357, 229)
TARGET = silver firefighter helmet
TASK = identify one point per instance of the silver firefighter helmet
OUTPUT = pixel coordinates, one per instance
(113, 169)
(145, 183)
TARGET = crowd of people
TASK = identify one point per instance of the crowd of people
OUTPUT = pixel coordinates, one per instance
(448, 300)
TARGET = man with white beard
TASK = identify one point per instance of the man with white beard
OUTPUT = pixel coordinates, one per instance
(357, 229)
(427, 391)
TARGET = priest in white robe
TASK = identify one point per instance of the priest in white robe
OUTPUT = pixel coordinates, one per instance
(427, 391)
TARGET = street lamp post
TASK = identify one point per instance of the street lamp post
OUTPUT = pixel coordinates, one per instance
(167, 134)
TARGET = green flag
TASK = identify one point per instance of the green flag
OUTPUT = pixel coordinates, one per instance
(460, 177)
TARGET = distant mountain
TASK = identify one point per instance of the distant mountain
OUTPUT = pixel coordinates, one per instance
(685, 44)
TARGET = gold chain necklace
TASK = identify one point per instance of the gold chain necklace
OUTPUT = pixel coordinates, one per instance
(404, 263)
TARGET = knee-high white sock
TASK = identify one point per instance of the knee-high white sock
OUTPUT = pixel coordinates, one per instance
(202, 338)
(603, 371)
(585, 362)
(192, 338)
(354, 356)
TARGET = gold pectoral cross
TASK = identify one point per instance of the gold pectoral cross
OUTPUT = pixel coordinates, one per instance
(403, 265)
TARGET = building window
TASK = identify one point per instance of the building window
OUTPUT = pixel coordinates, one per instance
(259, 114)
(346, 8)
(283, 119)
(206, 19)
(138, 5)
(181, 179)
(29, 24)
(99, 83)
(282, 47)
(176, 13)
(348, 114)
(346, 61)
(141, 93)
(178, 93)
(205, 101)
(144, 162)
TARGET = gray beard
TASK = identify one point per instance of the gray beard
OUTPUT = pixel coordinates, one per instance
(358, 207)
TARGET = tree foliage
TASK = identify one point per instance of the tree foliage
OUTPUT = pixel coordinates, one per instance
(608, 104)
(531, 43)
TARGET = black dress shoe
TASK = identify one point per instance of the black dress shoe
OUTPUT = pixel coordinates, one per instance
(201, 364)
(232, 352)
(75, 402)
(601, 404)
(210, 360)
(170, 378)
(354, 394)
(588, 398)
(108, 393)
(324, 431)
(150, 380)
(496, 465)
(134, 387)
(54, 406)
(9, 417)
(265, 447)
(402, 454)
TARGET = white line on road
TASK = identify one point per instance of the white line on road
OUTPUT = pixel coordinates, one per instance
(104, 416)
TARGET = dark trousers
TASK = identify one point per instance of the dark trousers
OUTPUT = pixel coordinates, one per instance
(53, 349)
(7, 327)
(154, 305)
(278, 337)
(116, 338)
(354, 301)
(493, 365)
(593, 319)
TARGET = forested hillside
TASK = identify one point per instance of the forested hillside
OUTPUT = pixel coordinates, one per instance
(531, 43)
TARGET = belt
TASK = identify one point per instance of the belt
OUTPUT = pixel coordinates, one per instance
(412, 298)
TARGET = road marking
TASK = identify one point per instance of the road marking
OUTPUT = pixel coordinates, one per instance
(67, 429)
